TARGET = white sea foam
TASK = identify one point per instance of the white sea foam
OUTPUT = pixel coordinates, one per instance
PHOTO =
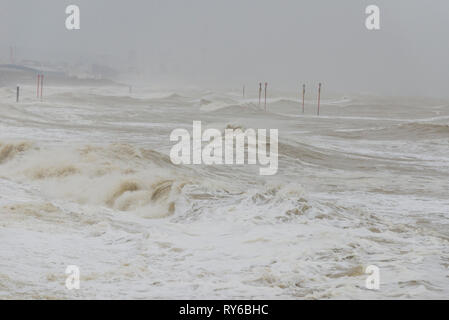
(85, 179)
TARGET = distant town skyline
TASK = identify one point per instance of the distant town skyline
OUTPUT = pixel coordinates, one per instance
(231, 42)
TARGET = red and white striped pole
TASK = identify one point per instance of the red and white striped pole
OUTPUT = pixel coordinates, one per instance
(319, 97)
(266, 84)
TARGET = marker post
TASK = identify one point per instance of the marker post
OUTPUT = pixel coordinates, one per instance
(42, 84)
(319, 97)
(303, 95)
(266, 84)
(38, 82)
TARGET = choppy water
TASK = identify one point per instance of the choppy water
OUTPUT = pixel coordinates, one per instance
(85, 179)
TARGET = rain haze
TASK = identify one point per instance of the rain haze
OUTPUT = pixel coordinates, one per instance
(234, 42)
(224, 149)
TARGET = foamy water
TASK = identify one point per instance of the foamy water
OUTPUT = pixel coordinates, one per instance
(85, 179)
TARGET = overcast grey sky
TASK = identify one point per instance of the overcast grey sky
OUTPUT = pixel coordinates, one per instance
(241, 41)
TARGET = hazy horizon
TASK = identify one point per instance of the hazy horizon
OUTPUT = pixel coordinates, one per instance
(220, 43)
(133, 165)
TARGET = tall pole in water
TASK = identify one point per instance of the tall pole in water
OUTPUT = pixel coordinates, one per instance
(303, 95)
(17, 95)
(260, 91)
(319, 97)
(266, 84)
(38, 81)
(243, 91)
(42, 84)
